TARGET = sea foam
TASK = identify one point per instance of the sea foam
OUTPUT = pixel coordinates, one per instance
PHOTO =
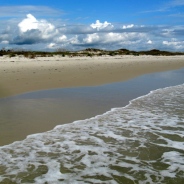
(140, 143)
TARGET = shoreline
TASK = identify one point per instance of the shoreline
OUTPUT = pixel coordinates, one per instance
(34, 129)
(41, 111)
(20, 75)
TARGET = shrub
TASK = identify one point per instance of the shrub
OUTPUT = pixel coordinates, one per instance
(32, 56)
(29, 55)
(12, 55)
(89, 54)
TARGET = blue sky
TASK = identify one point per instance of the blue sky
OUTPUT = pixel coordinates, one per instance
(104, 24)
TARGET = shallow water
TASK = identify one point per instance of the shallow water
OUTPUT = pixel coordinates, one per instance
(140, 143)
(41, 111)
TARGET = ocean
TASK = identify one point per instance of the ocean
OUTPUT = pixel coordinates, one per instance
(140, 143)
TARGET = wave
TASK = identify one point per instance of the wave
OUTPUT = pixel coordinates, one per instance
(142, 142)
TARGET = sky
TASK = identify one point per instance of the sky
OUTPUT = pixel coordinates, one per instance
(104, 24)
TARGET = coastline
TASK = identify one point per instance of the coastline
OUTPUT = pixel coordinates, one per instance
(108, 82)
(20, 75)
(94, 142)
(41, 111)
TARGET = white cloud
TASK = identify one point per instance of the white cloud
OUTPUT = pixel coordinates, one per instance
(31, 23)
(5, 42)
(98, 25)
(112, 40)
(174, 43)
(91, 38)
(28, 24)
(51, 45)
(114, 37)
(44, 34)
(149, 42)
(128, 26)
(62, 38)
(124, 38)
(32, 31)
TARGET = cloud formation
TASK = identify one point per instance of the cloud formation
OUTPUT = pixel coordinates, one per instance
(98, 25)
(174, 43)
(41, 34)
(31, 23)
(32, 31)
(128, 26)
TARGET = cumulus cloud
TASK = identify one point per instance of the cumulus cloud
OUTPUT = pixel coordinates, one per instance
(31, 23)
(35, 33)
(28, 24)
(5, 42)
(149, 42)
(91, 38)
(28, 38)
(62, 38)
(32, 31)
(128, 26)
(98, 25)
(51, 45)
(110, 40)
(174, 44)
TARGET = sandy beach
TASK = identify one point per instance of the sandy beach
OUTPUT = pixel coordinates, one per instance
(97, 105)
(19, 74)
(41, 111)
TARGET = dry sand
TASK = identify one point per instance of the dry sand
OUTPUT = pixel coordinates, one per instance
(19, 75)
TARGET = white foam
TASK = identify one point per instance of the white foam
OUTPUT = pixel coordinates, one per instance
(52, 175)
(176, 162)
(123, 143)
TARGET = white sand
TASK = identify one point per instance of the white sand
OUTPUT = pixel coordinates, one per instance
(19, 74)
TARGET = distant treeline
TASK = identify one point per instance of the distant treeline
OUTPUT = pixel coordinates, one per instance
(87, 52)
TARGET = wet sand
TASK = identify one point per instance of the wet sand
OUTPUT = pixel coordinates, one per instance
(40, 111)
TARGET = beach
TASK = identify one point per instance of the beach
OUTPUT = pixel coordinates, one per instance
(84, 140)
(24, 116)
(19, 75)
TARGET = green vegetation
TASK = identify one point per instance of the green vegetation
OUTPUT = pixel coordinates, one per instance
(89, 52)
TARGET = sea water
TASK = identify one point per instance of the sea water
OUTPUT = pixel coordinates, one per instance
(140, 143)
